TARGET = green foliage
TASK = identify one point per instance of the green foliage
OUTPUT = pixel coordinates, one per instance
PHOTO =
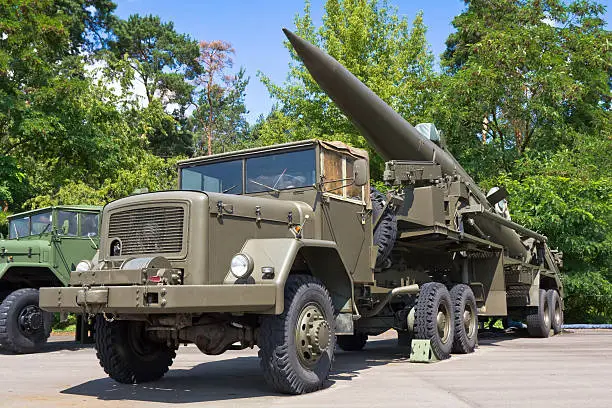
(149, 171)
(568, 197)
(381, 48)
(161, 58)
(523, 74)
(62, 326)
(588, 298)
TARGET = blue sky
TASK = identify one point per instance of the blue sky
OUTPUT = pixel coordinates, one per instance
(254, 29)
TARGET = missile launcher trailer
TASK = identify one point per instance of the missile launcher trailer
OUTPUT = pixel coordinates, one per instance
(288, 248)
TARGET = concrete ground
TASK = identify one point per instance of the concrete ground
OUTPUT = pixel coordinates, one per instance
(569, 370)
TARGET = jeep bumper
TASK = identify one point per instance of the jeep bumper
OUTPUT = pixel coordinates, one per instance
(160, 299)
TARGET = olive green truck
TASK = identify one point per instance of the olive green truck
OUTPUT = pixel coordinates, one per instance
(41, 249)
(288, 248)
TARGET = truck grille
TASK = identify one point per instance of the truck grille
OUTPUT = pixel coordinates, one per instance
(148, 230)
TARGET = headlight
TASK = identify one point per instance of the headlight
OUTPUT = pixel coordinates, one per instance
(84, 266)
(241, 265)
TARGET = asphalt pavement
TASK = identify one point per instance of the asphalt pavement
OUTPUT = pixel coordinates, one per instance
(573, 369)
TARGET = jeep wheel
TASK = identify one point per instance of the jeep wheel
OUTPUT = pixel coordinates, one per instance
(433, 319)
(125, 353)
(466, 319)
(353, 342)
(24, 327)
(297, 346)
(556, 312)
(538, 322)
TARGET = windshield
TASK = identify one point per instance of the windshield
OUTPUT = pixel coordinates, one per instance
(19, 228)
(280, 171)
(271, 172)
(34, 225)
(40, 223)
(223, 177)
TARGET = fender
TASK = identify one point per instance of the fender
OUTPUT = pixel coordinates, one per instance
(322, 258)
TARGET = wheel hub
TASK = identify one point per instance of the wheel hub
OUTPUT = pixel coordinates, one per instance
(312, 335)
(469, 321)
(30, 319)
(443, 324)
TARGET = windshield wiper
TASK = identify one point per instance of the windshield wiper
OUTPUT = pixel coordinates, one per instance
(46, 228)
(264, 185)
(15, 228)
(230, 189)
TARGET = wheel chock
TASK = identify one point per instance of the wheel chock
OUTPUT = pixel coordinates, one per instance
(421, 352)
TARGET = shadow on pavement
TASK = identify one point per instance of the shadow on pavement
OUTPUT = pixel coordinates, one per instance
(238, 377)
(229, 379)
(54, 345)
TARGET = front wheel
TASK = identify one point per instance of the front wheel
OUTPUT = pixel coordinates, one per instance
(126, 354)
(24, 327)
(296, 348)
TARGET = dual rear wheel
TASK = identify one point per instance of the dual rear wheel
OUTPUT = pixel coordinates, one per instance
(448, 319)
(547, 316)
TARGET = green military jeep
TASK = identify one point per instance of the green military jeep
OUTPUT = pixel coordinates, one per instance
(43, 246)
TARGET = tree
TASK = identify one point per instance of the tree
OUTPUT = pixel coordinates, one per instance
(380, 48)
(161, 58)
(52, 115)
(219, 98)
(521, 75)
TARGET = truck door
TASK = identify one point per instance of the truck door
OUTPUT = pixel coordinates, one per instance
(346, 211)
(73, 243)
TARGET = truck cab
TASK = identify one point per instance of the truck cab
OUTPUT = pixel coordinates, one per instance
(41, 249)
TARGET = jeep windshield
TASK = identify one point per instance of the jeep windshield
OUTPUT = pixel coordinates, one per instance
(267, 172)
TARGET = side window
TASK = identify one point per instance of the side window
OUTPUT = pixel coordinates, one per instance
(337, 166)
(89, 225)
(67, 223)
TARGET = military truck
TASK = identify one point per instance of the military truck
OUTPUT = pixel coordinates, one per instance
(43, 246)
(290, 249)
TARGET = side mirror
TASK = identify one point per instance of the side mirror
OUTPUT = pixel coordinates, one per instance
(360, 172)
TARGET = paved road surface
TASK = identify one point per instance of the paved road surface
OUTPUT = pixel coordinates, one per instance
(570, 370)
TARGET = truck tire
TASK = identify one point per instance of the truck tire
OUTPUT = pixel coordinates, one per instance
(556, 312)
(538, 321)
(353, 342)
(386, 230)
(24, 327)
(296, 348)
(126, 355)
(466, 319)
(433, 319)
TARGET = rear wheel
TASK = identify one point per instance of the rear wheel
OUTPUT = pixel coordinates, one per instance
(354, 342)
(466, 319)
(126, 354)
(433, 319)
(556, 312)
(538, 321)
(297, 347)
(24, 327)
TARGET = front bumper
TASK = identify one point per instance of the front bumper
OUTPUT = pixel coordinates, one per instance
(144, 299)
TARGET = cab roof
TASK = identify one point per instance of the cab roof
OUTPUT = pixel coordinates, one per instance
(275, 148)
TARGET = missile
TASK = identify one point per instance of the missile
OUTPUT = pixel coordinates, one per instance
(389, 133)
